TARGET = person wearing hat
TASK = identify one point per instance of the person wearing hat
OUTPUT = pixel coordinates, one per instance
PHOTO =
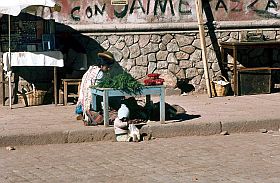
(121, 124)
(105, 61)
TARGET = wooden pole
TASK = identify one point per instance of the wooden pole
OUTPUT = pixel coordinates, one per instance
(198, 5)
(2, 85)
(55, 85)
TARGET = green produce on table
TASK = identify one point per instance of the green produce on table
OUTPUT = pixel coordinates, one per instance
(123, 81)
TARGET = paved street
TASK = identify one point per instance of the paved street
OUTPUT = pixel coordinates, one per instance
(240, 158)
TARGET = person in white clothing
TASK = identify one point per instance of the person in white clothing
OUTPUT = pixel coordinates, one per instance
(121, 124)
(91, 77)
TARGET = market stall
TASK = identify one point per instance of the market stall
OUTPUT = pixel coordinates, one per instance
(16, 30)
(260, 80)
(46, 58)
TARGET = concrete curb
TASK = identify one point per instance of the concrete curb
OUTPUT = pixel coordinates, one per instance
(182, 129)
(156, 130)
(251, 126)
(54, 137)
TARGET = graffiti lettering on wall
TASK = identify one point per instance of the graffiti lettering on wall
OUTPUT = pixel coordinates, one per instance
(251, 9)
(236, 5)
(173, 10)
(135, 6)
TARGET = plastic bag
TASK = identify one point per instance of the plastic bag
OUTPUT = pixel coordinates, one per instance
(79, 109)
(134, 132)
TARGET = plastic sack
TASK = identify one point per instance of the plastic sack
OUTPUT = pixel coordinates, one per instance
(134, 132)
(79, 109)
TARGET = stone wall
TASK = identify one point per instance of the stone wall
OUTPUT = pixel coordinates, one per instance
(177, 56)
(160, 36)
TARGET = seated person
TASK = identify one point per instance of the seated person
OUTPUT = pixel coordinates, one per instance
(91, 77)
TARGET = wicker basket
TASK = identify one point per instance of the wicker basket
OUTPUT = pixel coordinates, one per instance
(220, 88)
(33, 98)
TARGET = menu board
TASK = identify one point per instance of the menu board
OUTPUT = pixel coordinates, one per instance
(26, 35)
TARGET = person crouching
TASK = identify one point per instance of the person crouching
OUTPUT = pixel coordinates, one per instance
(121, 124)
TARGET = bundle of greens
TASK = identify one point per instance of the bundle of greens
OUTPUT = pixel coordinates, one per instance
(123, 81)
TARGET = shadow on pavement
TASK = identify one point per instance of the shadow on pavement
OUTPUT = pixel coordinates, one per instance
(183, 117)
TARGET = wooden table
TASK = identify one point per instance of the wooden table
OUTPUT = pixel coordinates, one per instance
(68, 82)
(46, 58)
(110, 92)
(235, 46)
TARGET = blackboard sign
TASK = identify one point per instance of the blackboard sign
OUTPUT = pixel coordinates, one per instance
(26, 35)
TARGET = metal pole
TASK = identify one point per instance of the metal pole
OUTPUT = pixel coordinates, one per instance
(198, 4)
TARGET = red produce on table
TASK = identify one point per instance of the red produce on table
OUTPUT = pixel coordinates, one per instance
(153, 75)
(149, 82)
(159, 81)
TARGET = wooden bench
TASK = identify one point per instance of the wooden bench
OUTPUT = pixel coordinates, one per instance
(69, 82)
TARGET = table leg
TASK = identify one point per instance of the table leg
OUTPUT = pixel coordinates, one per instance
(162, 105)
(148, 99)
(55, 85)
(106, 108)
(65, 90)
(94, 102)
(269, 83)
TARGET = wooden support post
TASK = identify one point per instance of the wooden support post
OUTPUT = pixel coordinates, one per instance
(198, 4)
(55, 85)
(2, 85)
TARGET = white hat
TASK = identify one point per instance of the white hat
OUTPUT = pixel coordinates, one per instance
(123, 112)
